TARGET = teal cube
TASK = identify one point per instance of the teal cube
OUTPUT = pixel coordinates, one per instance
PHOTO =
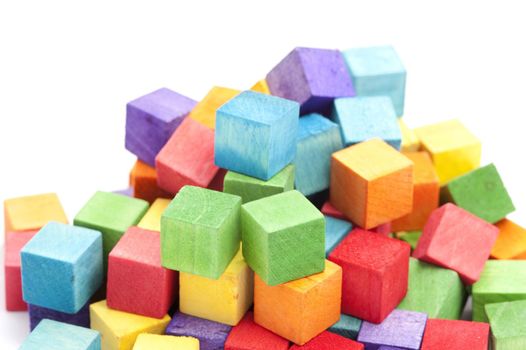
(347, 327)
(508, 324)
(53, 335)
(335, 232)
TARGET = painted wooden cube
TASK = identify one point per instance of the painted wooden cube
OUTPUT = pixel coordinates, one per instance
(128, 192)
(205, 111)
(329, 341)
(301, 309)
(508, 324)
(32, 212)
(371, 183)
(455, 334)
(283, 237)
(152, 219)
(151, 120)
(248, 335)
(335, 232)
(347, 327)
(261, 86)
(212, 335)
(329, 210)
(143, 180)
(56, 335)
(147, 341)
(410, 142)
(511, 241)
(37, 314)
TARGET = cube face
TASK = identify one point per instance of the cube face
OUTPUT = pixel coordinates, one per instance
(328, 341)
(212, 335)
(347, 326)
(335, 231)
(152, 219)
(511, 241)
(261, 86)
(205, 111)
(37, 314)
(143, 179)
(256, 134)
(442, 334)
(248, 335)
(165, 342)
(151, 120)
(56, 335)
(410, 142)
(507, 321)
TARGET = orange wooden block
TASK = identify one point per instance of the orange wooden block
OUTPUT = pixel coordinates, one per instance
(205, 111)
(301, 309)
(426, 193)
(261, 86)
(143, 180)
(371, 183)
(511, 241)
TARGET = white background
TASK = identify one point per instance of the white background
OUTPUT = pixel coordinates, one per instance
(68, 69)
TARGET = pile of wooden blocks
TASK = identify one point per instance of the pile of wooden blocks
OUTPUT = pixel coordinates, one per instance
(300, 214)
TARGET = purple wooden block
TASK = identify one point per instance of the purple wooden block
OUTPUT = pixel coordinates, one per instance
(151, 120)
(401, 329)
(312, 77)
(385, 347)
(37, 314)
(212, 335)
(125, 192)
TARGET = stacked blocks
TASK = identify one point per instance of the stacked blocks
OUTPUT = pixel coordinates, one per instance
(247, 335)
(511, 241)
(51, 335)
(508, 324)
(212, 335)
(329, 341)
(371, 183)
(152, 219)
(37, 314)
(200, 231)
(347, 327)
(256, 134)
(205, 111)
(283, 237)
(375, 274)
(165, 342)
(143, 179)
(335, 231)
(453, 334)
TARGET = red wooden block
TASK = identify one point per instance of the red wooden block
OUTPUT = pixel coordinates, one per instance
(14, 242)
(143, 180)
(375, 274)
(453, 334)
(218, 180)
(457, 240)
(329, 210)
(137, 283)
(187, 158)
(384, 229)
(329, 341)
(248, 335)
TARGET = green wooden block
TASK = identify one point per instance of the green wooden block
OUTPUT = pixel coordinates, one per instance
(111, 214)
(501, 280)
(508, 325)
(200, 231)
(433, 290)
(481, 192)
(250, 188)
(410, 237)
(347, 327)
(283, 237)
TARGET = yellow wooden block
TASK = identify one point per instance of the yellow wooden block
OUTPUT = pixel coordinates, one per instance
(224, 300)
(32, 212)
(205, 111)
(119, 330)
(261, 86)
(410, 143)
(165, 342)
(454, 149)
(152, 219)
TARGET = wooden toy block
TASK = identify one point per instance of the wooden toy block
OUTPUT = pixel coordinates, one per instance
(371, 183)
(426, 192)
(283, 237)
(318, 138)
(51, 335)
(217, 182)
(248, 335)
(119, 329)
(364, 118)
(137, 283)
(205, 111)
(435, 291)
(14, 242)
(511, 241)
(111, 214)
(256, 134)
(384, 229)
(458, 240)
(375, 274)
(250, 188)
(128, 192)
(143, 179)
(62, 267)
(481, 192)
(165, 342)
(311, 77)
(151, 120)
(410, 237)
(329, 210)
(261, 86)
(335, 231)
(454, 149)
(329, 341)
(200, 231)
(454, 334)
(347, 326)
(508, 324)
(187, 158)
(301, 309)
(501, 280)
(32, 212)
(212, 335)
(37, 314)
(225, 300)
(401, 329)
(152, 219)
(378, 71)
(410, 142)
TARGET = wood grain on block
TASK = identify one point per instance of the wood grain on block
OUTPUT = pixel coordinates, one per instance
(62, 267)
(256, 134)
(152, 219)
(283, 237)
(119, 330)
(37, 314)
(455, 334)
(205, 111)
(143, 179)
(261, 86)
(347, 326)
(212, 335)
(410, 142)
(187, 158)
(371, 183)
(410, 237)
(165, 342)
(301, 309)
(329, 341)
(458, 240)
(335, 231)
(375, 274)
(56, 335)
(151, 120)
(511, 241)
(200, 231)
(32, 212)
(248, 335)
(329, 210)
(508, 324)
(137, 282)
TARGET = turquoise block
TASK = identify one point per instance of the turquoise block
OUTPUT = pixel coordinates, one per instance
(378, 71)
(255, 134)
(347, 327)
(364, 118)
(62, 267)
(335, 231)
(53, 335)
(318, 139)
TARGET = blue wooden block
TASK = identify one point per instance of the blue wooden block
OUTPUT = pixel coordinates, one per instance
(318, 139)
(335, 231)
(255, 134)
(347, 327)
(52, 335)
(364, 118)
(62, 267)
(378, 71)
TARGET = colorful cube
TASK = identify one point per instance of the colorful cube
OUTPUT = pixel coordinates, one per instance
(165, 342)
(32, 212)
(261, 86)
(37, 314)
(212, 335)
(511, 241)
(410, 142)
(335, 231)
(152, 219)
(453, 334)
(205, 111)
(248, 335)
(329, 210)
(508, 324)
(56, 335)
(411, 237)
(329, 341)
(143, 179)
(347, 326)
